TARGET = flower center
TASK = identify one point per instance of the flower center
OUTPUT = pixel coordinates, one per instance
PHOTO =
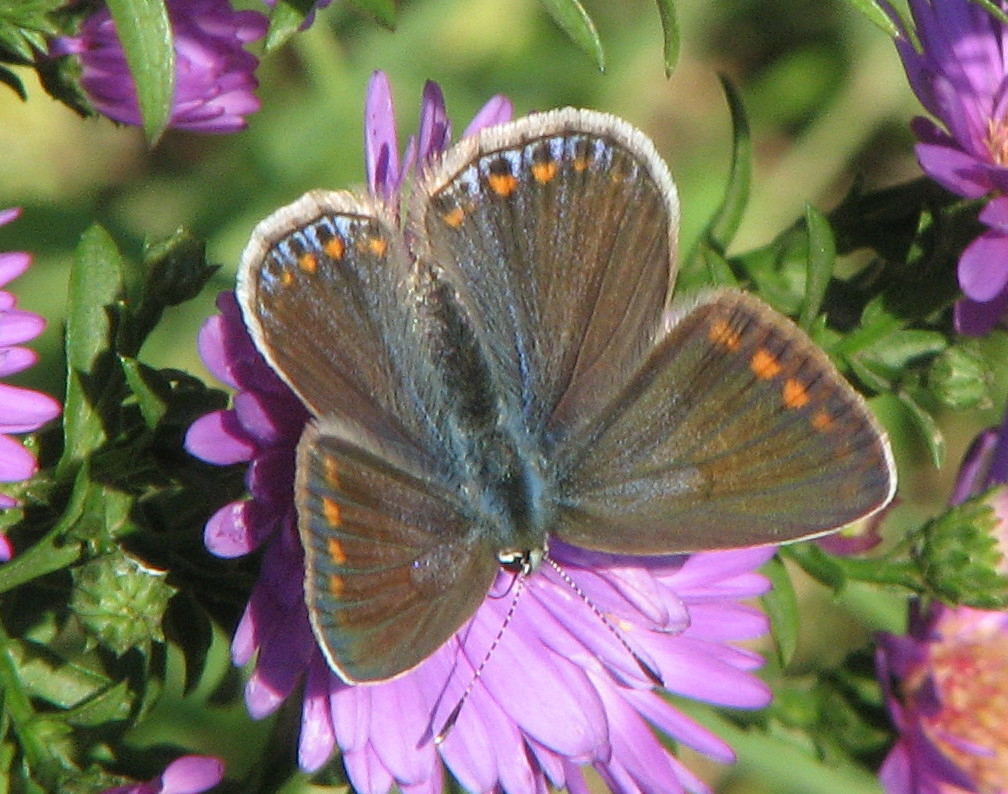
(997, 140)
(968, 669)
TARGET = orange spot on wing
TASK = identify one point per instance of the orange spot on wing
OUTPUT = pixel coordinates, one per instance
(308, 262)
(544, 172)
(822, 421)
(336, 552)
(723, 335)
(286, 278)
(331, 471)
(502, 184)
(331, 510)
(454, 217)
(336, 585)
(794, 394)
(378, 246)
(764, 364)
(334, 247)
(580, 163)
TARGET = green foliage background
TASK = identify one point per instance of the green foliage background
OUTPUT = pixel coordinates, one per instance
(827, 103)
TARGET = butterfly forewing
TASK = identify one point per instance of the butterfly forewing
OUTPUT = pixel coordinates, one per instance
(393, 566)
(558, 234)
(736, 431)
(325, 287)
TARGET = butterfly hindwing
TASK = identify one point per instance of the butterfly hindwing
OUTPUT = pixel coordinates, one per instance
(736, 431)
(393, 567)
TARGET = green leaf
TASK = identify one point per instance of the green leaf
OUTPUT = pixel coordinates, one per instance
(900, 349)
(722, 227)
(821, 257)
(571, 16)
(993, 9)
(384, 11)
(114, 704)
(781, 606)
(670, 33)
(925, 423)
(96, 284)
(875, 13)
(146, 35)
(286, 19)
(719, 269)
(24, 27)
(60, 679)
(877, 323)
(816, 563)
(151, 391)
(12, 81)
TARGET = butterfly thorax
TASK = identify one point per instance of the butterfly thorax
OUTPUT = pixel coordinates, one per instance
(507, 488)
(499, 467)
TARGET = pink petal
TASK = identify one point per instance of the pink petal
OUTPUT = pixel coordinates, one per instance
(398, 708)
(366, 772)
(219, 438)
(983, 266)
(16, 359)
(24, 410)
(317, 740)
(229, 532)
(381, 141)
(13, 264)
(19, 326)
(16, 462)
(192, 774)
(351, 714)
(497, 110)
(959, 172)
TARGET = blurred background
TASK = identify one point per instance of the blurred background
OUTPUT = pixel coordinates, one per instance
(827, 102)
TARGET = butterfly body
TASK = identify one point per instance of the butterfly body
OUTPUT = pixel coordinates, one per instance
(507, 368)
(493, 462)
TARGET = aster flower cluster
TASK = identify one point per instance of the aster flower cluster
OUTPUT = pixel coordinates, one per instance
(214, 74)
(561, 692)
(945, 679)
(959, 74)
(21, 410)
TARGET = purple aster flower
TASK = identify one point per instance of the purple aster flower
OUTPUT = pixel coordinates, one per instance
(948, 697)
(945, 680)
(960, 75)
(21, 410)
(214, 74)
(190, 774)
(561, 692)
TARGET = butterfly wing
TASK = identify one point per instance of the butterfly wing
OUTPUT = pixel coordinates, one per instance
(393, 566)
(328, 295)
(737, 430)
(558, 233)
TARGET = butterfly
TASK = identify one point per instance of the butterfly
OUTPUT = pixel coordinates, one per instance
(508, 366)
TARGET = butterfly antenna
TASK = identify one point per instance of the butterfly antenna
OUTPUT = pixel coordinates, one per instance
(449, 723)
(645, 667)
